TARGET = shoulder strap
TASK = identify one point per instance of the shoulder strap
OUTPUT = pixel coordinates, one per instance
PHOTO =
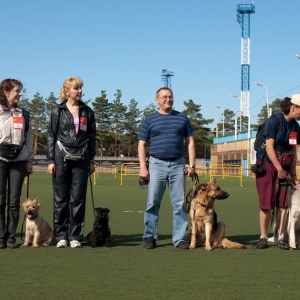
(279, 117)
(25, 114)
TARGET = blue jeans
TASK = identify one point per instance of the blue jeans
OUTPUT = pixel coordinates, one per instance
(161, 174)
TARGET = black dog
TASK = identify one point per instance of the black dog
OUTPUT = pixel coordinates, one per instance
(100, 236)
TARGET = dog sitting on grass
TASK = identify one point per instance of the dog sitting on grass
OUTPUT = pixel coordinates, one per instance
(100, 235)
(205, 229)
(38, 231)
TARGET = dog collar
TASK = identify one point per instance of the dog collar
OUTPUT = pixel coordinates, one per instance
(206, 206)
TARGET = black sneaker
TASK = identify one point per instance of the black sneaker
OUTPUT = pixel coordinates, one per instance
(262, 244)
(150, 243)
(183, 245)
(2, 245)
(11, 245)
(282, 245)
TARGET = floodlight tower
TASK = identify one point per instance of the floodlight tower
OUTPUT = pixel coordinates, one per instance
(166, 78)
(243, 18)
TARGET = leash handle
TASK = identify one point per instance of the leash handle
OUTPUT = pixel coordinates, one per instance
(92, 195)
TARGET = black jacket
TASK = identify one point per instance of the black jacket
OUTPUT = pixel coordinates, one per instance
(62, 128)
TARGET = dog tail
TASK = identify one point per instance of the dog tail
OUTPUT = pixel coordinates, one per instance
(232, 245)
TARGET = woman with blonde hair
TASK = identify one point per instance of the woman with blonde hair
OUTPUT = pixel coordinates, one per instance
(16, 155)
(71, 149)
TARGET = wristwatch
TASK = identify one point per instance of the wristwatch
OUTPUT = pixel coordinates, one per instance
(190, 166)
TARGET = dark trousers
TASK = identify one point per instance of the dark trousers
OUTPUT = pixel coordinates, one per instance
(69, 192)
(12, 175)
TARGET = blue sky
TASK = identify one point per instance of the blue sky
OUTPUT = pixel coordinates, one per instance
(125, 44)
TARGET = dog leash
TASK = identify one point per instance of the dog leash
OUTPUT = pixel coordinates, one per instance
(27, 195)
(92, 195)
(286, 183)
(194, 183)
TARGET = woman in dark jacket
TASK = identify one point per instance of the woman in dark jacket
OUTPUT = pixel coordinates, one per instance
(70, 152)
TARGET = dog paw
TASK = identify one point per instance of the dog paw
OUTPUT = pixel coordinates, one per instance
(24, 245)
(192, 246)
(208, 248)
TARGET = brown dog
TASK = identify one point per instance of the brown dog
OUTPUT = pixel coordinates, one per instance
(38, 231)
(205, 230)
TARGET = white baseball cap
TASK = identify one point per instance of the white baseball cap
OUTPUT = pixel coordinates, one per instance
(296, 99)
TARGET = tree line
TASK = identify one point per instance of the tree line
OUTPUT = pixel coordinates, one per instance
(118, 124)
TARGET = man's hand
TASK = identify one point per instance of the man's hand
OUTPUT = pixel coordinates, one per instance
(189, 171)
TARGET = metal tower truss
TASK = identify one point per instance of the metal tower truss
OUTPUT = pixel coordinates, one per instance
(166, 78)
(243, 18)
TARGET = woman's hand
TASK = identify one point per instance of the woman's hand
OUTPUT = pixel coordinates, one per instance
(51, 169)
(29, 171)
(92, 168)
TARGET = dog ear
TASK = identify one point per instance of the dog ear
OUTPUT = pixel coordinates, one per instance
(37, 201)
(214, 180)
(202, 187)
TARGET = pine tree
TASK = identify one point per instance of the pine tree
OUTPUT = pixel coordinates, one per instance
(102, 110)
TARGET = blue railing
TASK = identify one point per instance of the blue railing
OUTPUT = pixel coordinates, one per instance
(231, 138)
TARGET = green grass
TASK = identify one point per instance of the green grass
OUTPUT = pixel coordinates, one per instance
(128, 271)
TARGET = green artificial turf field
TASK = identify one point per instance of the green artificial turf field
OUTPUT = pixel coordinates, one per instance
(128, 271)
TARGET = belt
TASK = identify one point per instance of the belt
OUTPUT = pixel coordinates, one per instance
(166, 158)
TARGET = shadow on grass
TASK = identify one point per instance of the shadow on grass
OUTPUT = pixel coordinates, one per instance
(166, 240)
(137, 240)
(247, 240)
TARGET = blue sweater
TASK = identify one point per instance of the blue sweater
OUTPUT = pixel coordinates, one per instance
(166, 133)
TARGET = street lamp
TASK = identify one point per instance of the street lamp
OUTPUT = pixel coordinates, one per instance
(217, 106)
(235, 96)
(216, 131)
(267, 97)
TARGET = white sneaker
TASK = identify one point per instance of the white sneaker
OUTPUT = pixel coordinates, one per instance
(75, 244)
(62, 244)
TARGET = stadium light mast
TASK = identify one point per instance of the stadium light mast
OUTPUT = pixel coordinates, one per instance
(166, 78)
(243, 18)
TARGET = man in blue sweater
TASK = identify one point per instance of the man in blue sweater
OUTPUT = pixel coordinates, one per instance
(167, 131)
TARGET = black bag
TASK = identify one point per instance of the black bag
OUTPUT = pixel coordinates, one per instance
(71, 153)
(260, 140)
(258, 168)
(10, 151)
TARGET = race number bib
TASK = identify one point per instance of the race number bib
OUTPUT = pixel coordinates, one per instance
(18, 123)
(83, 124)
(293, 138)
